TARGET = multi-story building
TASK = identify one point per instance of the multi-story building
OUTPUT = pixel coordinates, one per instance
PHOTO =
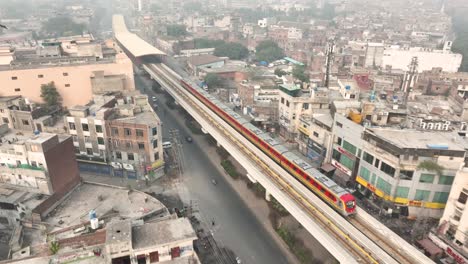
(316, 136)
(452, 231)
(295, 103)
(78, 69)
(118, 135)
(39, 163)
(412, 170)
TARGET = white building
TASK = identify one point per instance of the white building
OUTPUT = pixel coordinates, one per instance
(400, 58)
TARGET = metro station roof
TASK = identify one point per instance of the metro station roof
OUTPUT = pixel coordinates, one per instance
(134, 44)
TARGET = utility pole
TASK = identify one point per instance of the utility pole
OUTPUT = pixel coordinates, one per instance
(329, 59)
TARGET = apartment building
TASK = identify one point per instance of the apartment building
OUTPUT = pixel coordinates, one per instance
(295, 103)
(77, 69)
(36, 162)
(315, 136)
(453, 225)
(412, 170)
(118, 135)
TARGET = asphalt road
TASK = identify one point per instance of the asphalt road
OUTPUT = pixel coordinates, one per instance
(236, 227)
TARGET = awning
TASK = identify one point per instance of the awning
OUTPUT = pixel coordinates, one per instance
(430, 247)
(327, 167)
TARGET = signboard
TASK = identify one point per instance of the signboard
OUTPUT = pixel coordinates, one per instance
(341, 167)
(303, 130)
(343, 151)
(415, 203)
(459, 259)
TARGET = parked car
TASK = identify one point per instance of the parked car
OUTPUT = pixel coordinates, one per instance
(188, 139)
(154, 98)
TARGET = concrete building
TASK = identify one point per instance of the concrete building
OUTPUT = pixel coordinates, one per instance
(412, 170)
(295, 103)
(204, 61)
(316, 136)
(77, 71)
(163, 241)
(41, 163)
(374, 54)
(118, 135)
(453, 226)
(397, 57)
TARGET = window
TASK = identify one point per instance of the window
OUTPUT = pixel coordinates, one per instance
(368, 158)
(71, 125)
(402, 192)
(25, 122)
(115, 131)
(75, 138)
(359, 152)
(155, 131)
(440, 197)
(33, 163)
(316, 134)
(87, 139)
(305, 106)
(365, 173)
(141, 145)
(5, 120)
(98, 128)
(406, 175)
(139, 133)
(426, 178)
(77, 150)
(17, 90)
(127, 132)
(339, 141)
(462, 198)
(14, 78)
(40, 76)
(130, 156)
(446, 180)
(338, 124)
(377, 163)
(155, 143)
(282, 100)
(85, 127)
(384, 185)
(287, 103)
(67, 85)
(118, 155)
(422, 195)
(387, 169)
(89, 151)
(128, 145)
(349, 147)
(65, 74)
(100, 140)
(347, 162)
(156, 156)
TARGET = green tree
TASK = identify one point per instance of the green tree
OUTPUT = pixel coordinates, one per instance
(50, 95)
(203, 43)
(176, 30)
(54, 247)
(299, 73)
(279, 72)
(213, 80)
(62, 26)
(235, 51)
(268, 50)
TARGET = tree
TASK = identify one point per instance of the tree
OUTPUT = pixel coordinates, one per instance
(279, 72)
(299, 73)
(213, 80)
(62, 26)
(176, 30)
(268, 50)
(203, 43)
(235, 51)
(50, 95)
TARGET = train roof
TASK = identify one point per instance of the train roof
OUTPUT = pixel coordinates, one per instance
(253, 128)
(327, 182)
(268, 139)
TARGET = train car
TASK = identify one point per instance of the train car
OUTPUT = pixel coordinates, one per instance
(340, 199)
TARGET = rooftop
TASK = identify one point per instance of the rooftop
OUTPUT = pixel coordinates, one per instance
(417, 139)
(203, 59)
(163, 232)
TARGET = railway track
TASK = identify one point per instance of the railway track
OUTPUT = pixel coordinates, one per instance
(361, 253)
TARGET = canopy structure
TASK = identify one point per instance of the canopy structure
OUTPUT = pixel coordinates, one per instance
(131, 42)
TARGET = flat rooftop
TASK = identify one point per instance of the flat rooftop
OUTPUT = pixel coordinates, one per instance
(160, 233)
(104, 200)
(419, 139)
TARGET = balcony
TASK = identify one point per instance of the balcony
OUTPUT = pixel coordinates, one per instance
(454, 221)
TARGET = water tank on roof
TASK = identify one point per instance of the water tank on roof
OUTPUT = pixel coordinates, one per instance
(348, 87)
(395, 98)
(36, 132)
(92, 214)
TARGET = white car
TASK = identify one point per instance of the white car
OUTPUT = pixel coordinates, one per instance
(154, 98)
(239, 261)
